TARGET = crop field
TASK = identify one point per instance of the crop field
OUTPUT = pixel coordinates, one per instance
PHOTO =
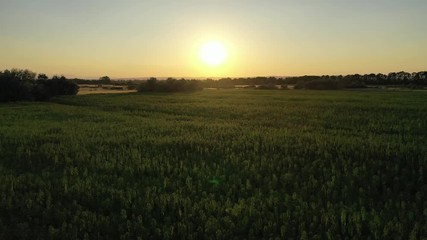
(216, 164)
(103, 89)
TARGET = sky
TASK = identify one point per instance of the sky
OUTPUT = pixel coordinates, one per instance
(163, 38)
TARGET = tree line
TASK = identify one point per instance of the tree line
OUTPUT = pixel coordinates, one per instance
(169, 85)
(406, 79)
(412, 80)
(25, 85)
(416, 79)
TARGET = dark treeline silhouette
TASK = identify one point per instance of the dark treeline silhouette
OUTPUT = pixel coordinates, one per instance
(170, 85)
(101, 80)
(25, 85)
(232, 82)
(405, 79)
(105, 80)
(326, 81)
(416, 79)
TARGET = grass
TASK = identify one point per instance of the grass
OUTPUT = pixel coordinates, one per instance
(215, 164)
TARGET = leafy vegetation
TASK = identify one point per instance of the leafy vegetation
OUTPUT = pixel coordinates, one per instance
(22, 85)
(169, 85)
(218, 164)
(325, 82)
(413, 80)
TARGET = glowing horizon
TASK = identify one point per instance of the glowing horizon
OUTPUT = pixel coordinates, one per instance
(128, 39)
(213, 53)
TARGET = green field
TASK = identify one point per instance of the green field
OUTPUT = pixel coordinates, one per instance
(217, 164)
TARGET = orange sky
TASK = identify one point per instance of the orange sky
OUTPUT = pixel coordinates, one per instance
(93, 38)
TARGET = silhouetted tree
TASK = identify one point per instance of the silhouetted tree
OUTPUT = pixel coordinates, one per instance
(61, 86)
(21, 85)
(42, 76)
(105, 80)
(169, 85)
(16, 84)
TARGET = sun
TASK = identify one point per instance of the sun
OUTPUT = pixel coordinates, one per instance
(213, 53)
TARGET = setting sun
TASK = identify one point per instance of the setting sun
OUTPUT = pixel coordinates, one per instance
(213, 53)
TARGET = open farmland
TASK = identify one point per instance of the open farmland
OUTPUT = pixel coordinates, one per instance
(217, 164)
(102, 89)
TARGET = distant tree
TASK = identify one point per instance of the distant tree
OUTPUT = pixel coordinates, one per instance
(151, 84)
(16, 84)
(62, 86)
(403, 77)
(105, 80)
(392, 78)
(169, 85)
(322, 84)
(23, 74)
(42, 76)
(21, 85)
(419, 78)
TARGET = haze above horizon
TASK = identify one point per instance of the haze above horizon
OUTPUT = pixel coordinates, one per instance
(126, 39)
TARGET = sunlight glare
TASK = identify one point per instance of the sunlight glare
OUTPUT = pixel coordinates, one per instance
(213, 53)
